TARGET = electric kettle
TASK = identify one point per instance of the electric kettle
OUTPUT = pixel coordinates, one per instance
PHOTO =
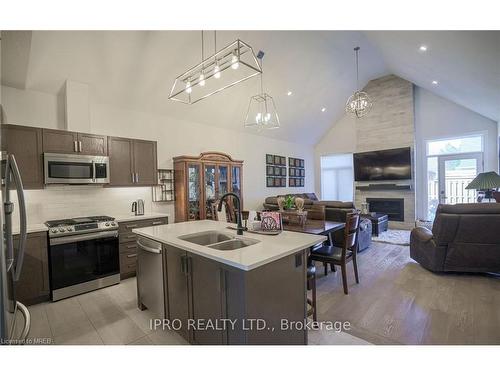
(138, 207)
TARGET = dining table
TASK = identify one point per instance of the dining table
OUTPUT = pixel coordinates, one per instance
(320, 227)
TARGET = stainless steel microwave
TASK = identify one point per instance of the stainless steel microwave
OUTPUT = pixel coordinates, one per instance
(75, 169)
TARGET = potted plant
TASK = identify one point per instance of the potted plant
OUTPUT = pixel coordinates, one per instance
(289, 202)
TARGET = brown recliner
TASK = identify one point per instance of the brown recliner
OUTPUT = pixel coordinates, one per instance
(464, 238)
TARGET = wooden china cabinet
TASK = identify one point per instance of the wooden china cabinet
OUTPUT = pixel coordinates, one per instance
(200, 180)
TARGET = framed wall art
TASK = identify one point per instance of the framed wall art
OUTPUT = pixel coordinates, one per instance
(276, 170)
(296, 172)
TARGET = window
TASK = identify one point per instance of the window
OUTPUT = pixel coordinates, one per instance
(337, 177)
(460, 145)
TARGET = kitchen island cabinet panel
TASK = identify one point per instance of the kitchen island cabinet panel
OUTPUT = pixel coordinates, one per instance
(178, 287)
(253, 287)
(207, 286)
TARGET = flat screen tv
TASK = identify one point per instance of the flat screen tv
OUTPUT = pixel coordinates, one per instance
(383, 165)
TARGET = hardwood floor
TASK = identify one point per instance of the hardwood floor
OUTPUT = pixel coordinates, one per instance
(399, 302)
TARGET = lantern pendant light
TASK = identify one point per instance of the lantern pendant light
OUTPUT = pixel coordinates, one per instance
(261, 113)
(227, 67)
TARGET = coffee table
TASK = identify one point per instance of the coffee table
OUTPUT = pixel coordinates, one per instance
(380, 222)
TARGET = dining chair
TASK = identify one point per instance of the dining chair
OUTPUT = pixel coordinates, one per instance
(340, 256)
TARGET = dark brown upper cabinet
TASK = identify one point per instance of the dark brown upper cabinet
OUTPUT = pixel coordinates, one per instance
(132, 162)
(62, 141)
(145, 164)
(25, 143)
(121, 154)
(91, 144)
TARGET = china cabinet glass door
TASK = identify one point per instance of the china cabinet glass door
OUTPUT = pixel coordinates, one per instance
(236, 180)
(223, 180)
(194, 193)
(210, 189)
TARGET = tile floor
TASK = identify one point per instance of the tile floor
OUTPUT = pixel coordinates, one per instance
(111, 316)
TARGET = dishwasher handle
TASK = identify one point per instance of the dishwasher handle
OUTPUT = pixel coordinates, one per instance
(147, 246)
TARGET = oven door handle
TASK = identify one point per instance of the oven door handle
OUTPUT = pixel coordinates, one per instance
(83, 237)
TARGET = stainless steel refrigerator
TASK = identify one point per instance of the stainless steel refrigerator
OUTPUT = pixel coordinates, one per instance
(14, 316)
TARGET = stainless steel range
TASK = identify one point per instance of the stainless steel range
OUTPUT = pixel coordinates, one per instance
(83, 255)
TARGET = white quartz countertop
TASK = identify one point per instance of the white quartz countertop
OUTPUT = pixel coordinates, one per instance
(270, 248)
(32, 228)
(132, 217)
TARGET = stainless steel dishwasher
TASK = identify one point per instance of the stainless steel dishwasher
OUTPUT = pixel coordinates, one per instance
(150, 283)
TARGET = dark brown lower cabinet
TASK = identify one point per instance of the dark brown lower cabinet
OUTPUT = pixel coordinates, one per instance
(128, 244)
(220, 304)
(33, 285)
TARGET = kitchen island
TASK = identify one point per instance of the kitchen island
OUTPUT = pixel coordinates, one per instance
(220, 288)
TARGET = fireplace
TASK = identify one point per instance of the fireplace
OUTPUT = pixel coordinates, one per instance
(393, 207)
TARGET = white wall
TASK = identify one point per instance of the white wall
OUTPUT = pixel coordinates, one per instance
(436, 117)
(32, 108)
(174, 138)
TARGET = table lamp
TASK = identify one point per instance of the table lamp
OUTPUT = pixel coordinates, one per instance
(486, 182)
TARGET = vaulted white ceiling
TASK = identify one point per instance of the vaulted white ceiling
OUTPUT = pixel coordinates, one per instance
(136, 69)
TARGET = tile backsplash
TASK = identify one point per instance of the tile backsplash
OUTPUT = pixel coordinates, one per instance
(58, 202)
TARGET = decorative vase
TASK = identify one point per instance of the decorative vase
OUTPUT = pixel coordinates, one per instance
(281, 203)
(299, 204)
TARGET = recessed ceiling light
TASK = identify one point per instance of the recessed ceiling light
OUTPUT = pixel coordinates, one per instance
(423, 48)
(323, 109)
(435, 82)
(289, 93)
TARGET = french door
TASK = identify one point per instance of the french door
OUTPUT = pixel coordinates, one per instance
(448, 177)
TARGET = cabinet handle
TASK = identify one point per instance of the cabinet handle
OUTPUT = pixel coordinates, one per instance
(131, 236)
(75, 146)
(131, 226)
(131, 246)
(183, 264)
(157, 222)
(80, 146)
(133, 177)
(137, 178)
(131, 255)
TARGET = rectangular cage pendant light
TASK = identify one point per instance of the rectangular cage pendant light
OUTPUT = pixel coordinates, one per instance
(231, 65)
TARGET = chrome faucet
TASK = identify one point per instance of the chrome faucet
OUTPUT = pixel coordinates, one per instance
(239, 227)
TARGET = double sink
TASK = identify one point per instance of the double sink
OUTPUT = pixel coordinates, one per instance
(218, 240)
